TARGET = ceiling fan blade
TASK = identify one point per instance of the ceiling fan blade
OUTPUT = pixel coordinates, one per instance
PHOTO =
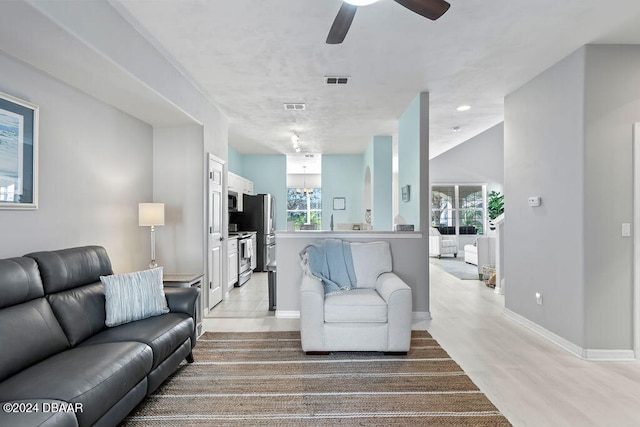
(432, 9)
(341, 24)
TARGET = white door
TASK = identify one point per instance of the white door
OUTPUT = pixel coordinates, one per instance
(215, 211)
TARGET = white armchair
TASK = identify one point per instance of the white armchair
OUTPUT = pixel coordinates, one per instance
(373, 316)
(482, 253)
(442, 245)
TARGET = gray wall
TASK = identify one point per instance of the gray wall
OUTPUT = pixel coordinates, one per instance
(612, 106)
(406, 249)
(568, 139)
(95, 166)
(544, 156)
(136, 162)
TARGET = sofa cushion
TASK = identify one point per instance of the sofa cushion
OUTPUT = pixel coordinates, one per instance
(370, 260)
(356, 305)
(20, 281)
(96, 377)
(133, 296)
(30, 333)
(70, 268)
(164, 334)
(80, 311)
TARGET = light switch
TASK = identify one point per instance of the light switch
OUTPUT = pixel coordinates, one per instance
(626, 229)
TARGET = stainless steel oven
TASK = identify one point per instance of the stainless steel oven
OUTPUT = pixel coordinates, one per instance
(245, 252)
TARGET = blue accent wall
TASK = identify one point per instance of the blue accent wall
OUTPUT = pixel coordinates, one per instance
(409, 162)
(269, 176)
(342, 176)
(234, 161)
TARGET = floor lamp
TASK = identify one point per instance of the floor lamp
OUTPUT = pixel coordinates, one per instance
(151, 215)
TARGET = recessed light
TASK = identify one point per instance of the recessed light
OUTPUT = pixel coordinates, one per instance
(464, 108)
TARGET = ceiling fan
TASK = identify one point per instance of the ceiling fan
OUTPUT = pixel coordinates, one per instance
(432, 9)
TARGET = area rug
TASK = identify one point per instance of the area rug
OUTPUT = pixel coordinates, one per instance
(265, 379)
(456, 267)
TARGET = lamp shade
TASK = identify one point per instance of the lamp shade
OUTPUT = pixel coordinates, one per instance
(150, 214)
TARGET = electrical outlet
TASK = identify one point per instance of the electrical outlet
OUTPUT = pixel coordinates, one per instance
(538, 298)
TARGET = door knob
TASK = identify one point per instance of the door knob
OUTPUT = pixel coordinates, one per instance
(221, 238)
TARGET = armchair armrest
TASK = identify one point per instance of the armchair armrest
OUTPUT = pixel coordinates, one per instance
(398, 296)
(311, 313)
(392, 288)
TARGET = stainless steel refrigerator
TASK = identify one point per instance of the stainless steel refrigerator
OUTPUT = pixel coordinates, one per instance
(258, 214)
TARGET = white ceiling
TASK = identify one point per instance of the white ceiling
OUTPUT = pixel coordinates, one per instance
(251, 56)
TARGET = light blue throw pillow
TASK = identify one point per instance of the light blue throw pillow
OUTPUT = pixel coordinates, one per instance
(134, 296)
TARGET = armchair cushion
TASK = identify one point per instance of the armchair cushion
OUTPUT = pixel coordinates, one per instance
(370, 260)
(357, 305)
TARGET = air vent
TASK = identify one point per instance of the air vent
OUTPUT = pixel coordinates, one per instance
(336, 80)
(309, 156)
(295, 107)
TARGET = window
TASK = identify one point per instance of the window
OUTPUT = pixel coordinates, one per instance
(458, 209)
(304, 209)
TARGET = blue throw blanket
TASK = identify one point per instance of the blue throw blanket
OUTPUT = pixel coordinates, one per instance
(330, 260)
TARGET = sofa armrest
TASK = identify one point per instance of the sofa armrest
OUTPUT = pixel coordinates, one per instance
(398, 297)
(311, 314)
(184, 300)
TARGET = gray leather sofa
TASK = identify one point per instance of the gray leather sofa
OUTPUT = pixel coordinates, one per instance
(59, 364)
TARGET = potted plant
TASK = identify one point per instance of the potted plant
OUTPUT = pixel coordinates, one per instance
(495, 206)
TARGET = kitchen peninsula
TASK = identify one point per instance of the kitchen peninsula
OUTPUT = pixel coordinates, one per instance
(410, 262)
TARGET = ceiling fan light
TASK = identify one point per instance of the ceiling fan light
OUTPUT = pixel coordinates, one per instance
(360, 2)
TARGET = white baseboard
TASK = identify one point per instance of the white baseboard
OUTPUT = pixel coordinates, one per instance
(586, 354)
(419, 316)
(284, 314)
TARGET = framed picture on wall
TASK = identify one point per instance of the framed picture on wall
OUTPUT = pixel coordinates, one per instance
(339, 203)
(18, 153)
(406, 193)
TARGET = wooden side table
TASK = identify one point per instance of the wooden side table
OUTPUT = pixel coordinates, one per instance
(179, 280)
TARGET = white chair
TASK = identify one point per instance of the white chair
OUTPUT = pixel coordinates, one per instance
(482, 253)
(442, 245)
(373, 316)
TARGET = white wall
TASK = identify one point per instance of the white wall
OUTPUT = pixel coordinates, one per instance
(477, 160)
(95, 166)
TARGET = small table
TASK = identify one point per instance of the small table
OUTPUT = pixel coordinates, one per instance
(181, 280)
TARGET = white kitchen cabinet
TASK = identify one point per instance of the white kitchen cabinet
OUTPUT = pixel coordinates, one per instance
(239, 185)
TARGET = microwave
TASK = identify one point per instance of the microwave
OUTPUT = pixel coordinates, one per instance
(233, 201)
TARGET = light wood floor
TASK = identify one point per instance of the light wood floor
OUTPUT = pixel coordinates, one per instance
(531, 381)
